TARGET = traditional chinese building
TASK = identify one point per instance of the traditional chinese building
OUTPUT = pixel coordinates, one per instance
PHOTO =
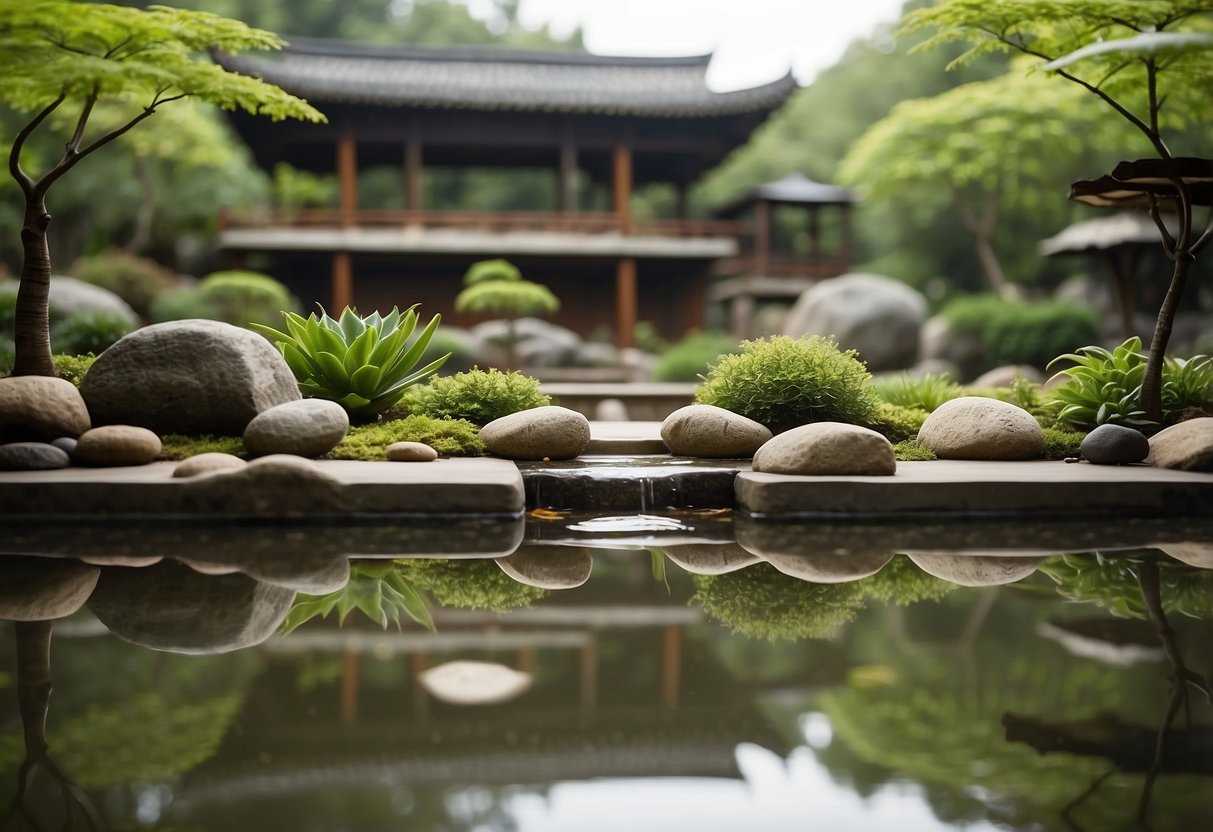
(595, 129)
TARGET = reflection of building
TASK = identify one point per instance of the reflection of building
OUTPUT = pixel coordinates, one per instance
(590, 129)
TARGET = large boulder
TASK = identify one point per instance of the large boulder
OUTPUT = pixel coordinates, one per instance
(830, 566)
(40, 408)
(1187, 446)
(827, 448)
(539, 433)
(704, 430)
(69, 296)
(878, 316)
(43, 589)
(306, 427)
(975, 568)
(539, 343)
(943, 344)
(171, 607)
(191, 377)
(710, 558)
(972, 427)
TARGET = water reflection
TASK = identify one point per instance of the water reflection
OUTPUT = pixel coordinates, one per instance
(882, 687)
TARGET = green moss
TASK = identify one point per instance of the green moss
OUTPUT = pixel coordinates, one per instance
(449, 437)
(479, 396)
(901, 582)
(761, 602)
(784, 382)
(470, 584)
(73, 367)
(908, 450)
(174, 446)
(898, 423)
(1061, 443)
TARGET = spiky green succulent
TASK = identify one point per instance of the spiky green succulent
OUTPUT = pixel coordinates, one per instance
(363, 364)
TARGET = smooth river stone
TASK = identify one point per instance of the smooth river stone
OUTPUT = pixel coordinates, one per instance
(208, 463)
(411, 452)
(43, 589)
(1187, 446)
(549, 432)
(704, 430)
(117, 445)
(1114, 445)
(32, 456)
(972, 427)
(827, 448)
(307, 427)
(40, 407)
(974, 568)
(549, 567)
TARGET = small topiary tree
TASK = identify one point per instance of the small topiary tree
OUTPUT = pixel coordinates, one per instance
(237, 297)
(497, 287)
(786, 382)
(761, 602)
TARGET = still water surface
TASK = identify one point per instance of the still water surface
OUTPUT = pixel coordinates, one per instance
(689, 683)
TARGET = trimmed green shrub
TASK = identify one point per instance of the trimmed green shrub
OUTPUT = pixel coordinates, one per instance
(237, 297)
(762, 602)
(785, 382)
(136, 280)
(87, 332)
(469, 584)
(897, 423)
(692, 357)
(1014, 332)
(479, 396)
(73, 367)
(449, 437)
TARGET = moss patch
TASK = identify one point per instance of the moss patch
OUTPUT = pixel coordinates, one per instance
(898, 423)
(73, 367)
(174, 446)
(1061, 443)
(449, 437)
(910, 451)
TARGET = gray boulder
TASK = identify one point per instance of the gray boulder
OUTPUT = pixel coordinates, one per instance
(827, 448)
(539, 433)
(972, 427)
(1114, 445)
(191, 377)
(171, 607)
(1006, 375)
(69, 296)
(307, 427)
(40, 408)
(878, 316)
(549, 567)
(43, 589)
(704, 430)
(32, 456)
(942, 344)
(830, 566)
(975, 568)
(710, 559)
(1187, 446)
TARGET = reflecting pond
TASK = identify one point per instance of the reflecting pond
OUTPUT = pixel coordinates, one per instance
(686, 670)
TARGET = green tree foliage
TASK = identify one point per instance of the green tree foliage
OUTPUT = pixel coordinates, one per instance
(981, 152)
(71, 57)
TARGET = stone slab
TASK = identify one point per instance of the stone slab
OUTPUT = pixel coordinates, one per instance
(625, 439)
(630, 483)
(481, 486)
(946, 487)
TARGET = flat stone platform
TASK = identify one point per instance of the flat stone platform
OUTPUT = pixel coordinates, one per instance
(625, 438)
(952, 487)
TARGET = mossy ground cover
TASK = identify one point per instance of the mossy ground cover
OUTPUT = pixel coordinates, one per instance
(449, 437)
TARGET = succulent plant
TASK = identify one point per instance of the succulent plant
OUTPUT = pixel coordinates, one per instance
(1104, 386)
(363, 364)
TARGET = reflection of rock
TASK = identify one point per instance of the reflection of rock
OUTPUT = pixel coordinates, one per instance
(976, 568)
(312, 573)
(549, 567)
(170, 607)
(1199, 555)
(268, 484)
(132, 561)
(706, 559)
(474, 683)
(43, 589)
(830, 566)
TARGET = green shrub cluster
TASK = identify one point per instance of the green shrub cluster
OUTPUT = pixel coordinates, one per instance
(925, 393)
(1015, 332)
(898, 423)
(762, 602)
(449, 437)
(237, 297)
(691, 358)
(73, 367)
(479, 396)
(469, 584)
(901, 582)
(136, 280)
(785, 382)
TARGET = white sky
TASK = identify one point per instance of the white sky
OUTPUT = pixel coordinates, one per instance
(754, 41)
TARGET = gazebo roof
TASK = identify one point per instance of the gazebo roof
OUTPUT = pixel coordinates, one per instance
(493, 79)
(1123, 228)
(795, 189)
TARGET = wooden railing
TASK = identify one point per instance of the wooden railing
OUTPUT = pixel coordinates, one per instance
(501, 221)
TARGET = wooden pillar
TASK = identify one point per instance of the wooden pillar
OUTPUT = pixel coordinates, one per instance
(412, 178)
(622, 186)
(625, 302)
(351, 673)
(347, 179)
(671, 666)
(568, 178)
(762, 236)
(342, 293)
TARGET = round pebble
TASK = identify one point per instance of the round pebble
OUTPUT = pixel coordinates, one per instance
(209, 463)
(32, 456)
(1114, 445)
(117, 445)
(66, 444)
(411, 452)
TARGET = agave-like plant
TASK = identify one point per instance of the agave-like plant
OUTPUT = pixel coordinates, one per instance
(378, 590)
(363, 364)
(1104, 386)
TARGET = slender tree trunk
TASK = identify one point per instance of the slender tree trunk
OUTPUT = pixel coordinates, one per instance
(146, 214)
(981, 225)
(1151, 385)
(990, 265)
(32, 324)
(34, 682)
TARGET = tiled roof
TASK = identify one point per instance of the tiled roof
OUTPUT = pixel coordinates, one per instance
(499, 79)
(794, 188)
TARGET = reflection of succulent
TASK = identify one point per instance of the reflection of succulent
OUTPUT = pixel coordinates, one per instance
(475, 584)
(363, 364)
(378, 590)
(761, 602)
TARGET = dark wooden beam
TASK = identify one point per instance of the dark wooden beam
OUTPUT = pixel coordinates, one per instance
(342, 293)
(625, 302)
(762, 235)
(347, 179)
(568, 177)
(621, 191)
(412, 176)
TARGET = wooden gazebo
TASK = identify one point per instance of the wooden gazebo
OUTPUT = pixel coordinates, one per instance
(601, 125)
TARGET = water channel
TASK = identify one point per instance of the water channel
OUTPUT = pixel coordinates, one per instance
(714, 672)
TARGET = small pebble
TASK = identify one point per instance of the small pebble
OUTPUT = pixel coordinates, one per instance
(411, 452)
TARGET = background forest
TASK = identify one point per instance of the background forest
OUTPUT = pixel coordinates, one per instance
(937, 215)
